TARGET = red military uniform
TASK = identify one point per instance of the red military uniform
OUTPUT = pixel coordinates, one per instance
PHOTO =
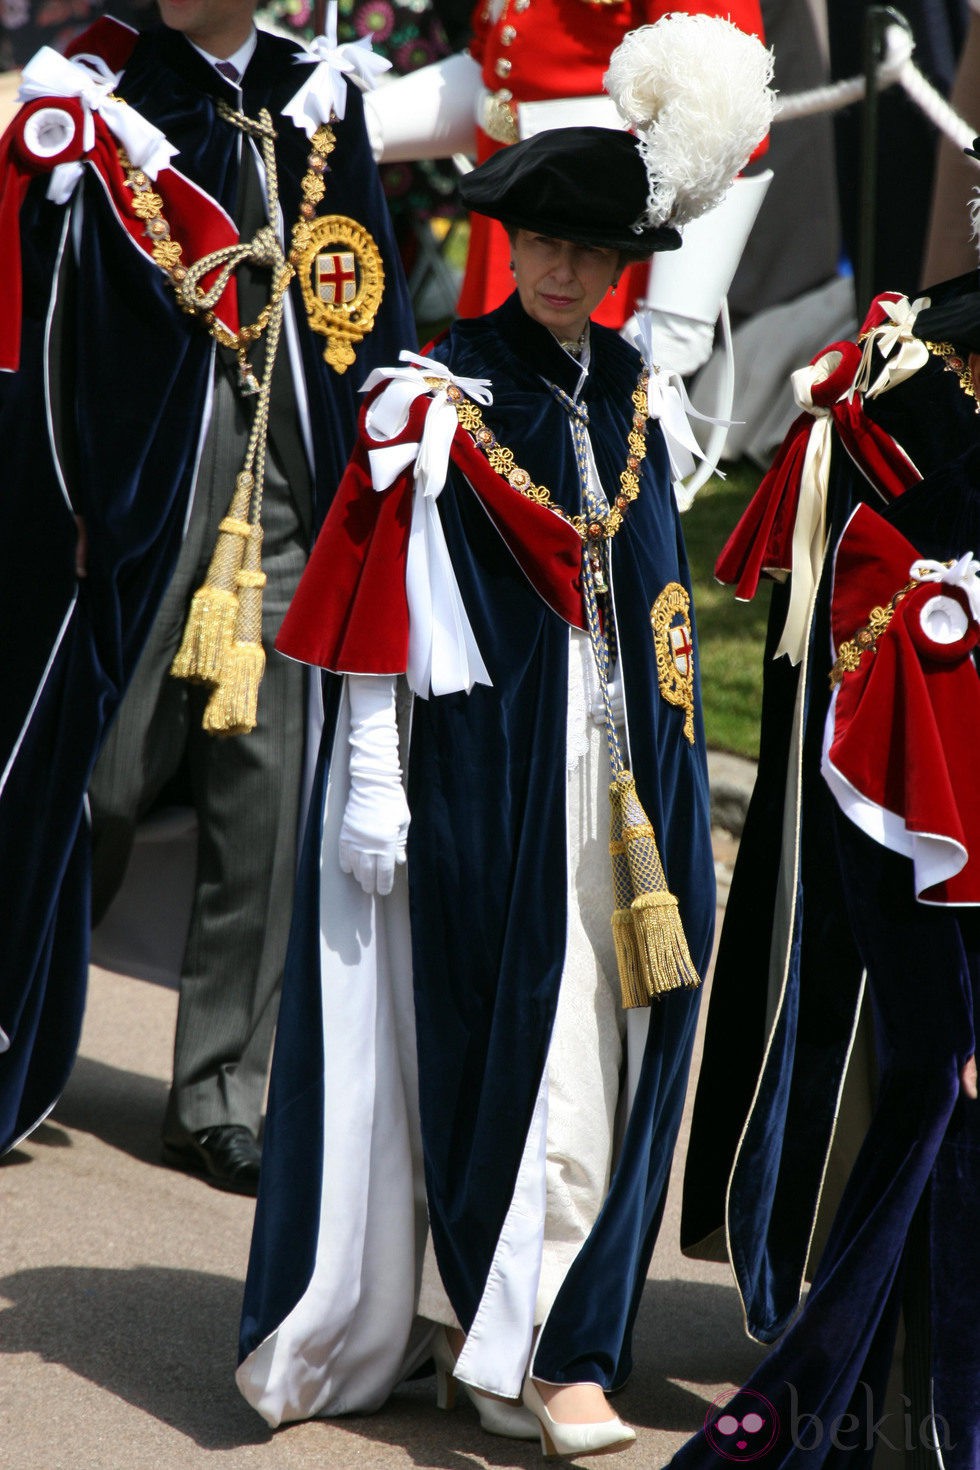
(542, 50)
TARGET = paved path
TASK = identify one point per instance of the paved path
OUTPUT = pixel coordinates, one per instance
(120, 1284)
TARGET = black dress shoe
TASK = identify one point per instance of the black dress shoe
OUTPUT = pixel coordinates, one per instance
(227, 1154)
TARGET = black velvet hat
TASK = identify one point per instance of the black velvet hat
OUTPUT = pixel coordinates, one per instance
(588, 185)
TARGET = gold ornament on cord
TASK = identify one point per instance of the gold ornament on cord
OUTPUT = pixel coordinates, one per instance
(222, 642)
(342, 278)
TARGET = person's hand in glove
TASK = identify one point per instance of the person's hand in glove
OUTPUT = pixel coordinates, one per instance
(375, 827)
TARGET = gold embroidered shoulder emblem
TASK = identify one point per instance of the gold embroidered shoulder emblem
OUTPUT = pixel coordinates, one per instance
(670, 618)
(342, 278)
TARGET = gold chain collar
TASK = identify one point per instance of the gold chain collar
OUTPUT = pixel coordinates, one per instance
(147, 206)
(951, 360)
(954, 362)
(865, 640)
(501, 459)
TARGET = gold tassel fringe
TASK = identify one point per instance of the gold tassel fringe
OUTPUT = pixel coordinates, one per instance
(232, 708)
(651, 948)
(207, 633)
(660, 937)
(214, 607)
(632, 981)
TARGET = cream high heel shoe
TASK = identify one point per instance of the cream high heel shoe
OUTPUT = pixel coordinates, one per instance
(496, 1415)
(575, 1439)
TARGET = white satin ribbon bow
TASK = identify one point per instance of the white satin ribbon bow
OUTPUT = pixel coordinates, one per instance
(893, 333)
(964, 574)
(668, 402)
(442, 651)
(89, 79)
(324, 93)
(810, 528)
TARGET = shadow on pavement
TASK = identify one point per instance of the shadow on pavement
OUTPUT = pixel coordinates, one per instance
(687, 1332)
(161, 1340)
(123, 1109)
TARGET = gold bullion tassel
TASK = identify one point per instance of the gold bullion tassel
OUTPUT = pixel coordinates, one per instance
(651, 947)
(214, 606)
(231, 710)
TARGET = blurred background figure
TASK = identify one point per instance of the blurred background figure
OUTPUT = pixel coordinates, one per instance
(949, 250)
(906, 141)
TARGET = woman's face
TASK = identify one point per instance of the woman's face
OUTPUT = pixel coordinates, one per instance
(560, 283)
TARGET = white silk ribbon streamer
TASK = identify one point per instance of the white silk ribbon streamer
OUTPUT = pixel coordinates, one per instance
(442, 651)
(668, 402)
(964, 574)
(89, 79)
(894, 340)
(324, 93)
(809, 530)
(669, 405)
(61, 185)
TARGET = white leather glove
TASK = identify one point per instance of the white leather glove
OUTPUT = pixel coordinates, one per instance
(375, 827)
(617, 704)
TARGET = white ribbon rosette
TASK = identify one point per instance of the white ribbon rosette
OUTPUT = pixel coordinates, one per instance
(88, 79)
(442, 652)
(943, 618)
(324, 93)
(904, 352)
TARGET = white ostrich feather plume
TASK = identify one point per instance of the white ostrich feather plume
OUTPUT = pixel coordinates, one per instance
(695, 90)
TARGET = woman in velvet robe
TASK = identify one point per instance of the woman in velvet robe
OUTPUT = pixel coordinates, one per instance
(469, 1136)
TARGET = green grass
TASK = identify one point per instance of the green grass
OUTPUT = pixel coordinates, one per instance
(732, 634)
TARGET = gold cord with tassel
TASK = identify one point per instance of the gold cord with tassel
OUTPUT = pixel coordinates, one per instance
(222, 643)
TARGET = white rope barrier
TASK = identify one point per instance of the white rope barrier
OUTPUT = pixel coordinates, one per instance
(896, 66)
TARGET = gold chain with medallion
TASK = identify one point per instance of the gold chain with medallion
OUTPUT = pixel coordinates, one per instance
(343, 324)
(501, 459)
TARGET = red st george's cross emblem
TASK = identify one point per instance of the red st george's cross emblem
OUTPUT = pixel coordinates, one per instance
(681, 649)
(336, 279)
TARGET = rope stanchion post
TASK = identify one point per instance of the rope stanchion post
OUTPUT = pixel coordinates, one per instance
(877, 21)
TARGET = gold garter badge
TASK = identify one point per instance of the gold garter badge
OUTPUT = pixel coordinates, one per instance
(342, 278)
(670, 618)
